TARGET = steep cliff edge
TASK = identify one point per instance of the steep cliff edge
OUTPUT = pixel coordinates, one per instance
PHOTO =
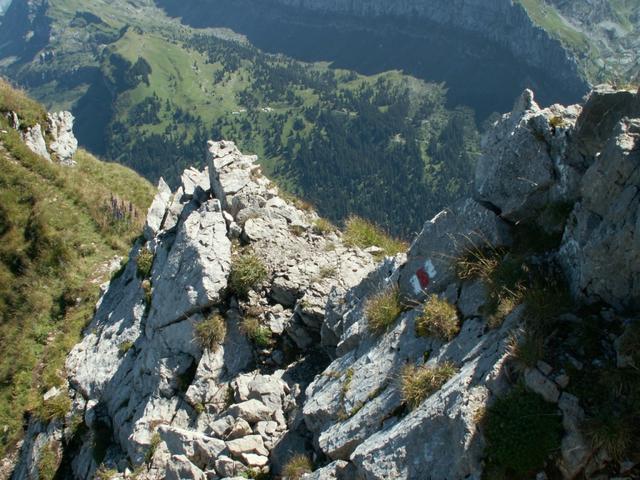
(245, 333)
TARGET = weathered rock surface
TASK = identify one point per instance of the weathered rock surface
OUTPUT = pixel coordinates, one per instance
(141, 369)
(529, 147)
(298, 370)
(64, 143)
(601, 246)
(430, 267)
(33, 138)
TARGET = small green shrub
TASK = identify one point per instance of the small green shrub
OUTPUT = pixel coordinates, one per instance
(418, 383)
(148, 291)
(144, 263)
(557, 121)
(322, 226)
(296, 467)
(527, 348)
(257, 333)
(438, 319)
(104, 473)
(153, 446)
(521, 430)
(211, 332)
(55, 408)
(364, 234)
(611, 431)
(124, 347)
(49, 461)
(383, 309)
(247, 272)
(504, 275)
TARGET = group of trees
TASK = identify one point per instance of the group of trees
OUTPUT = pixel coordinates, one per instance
(384, 147)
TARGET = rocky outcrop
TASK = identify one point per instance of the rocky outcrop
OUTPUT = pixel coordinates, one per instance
(601, 247)
(63, 142)
(189, 376)
(529, 146)
(186, 411)
(33, 138)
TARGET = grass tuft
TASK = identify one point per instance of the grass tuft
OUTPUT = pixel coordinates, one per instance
(296, 467)
(257, 333)
(438, 319)
(322, 226)
(144, 263)
(247, 272)
(210, 332)
(527, 348)
(418, 383)
(612, 432)
(383, 309)
(55, 408)
(364, 234)
(153, 447)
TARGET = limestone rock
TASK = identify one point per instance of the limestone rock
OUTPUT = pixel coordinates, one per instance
(431, 258)
(157, 210)
(540, 384)
(604, 108)
(338, 470)
(64, 143)
(195, 273)
(252, 411)
(180, 468)
(248, 444)
(473, 297)
(524, 166)
(34, 140)
(196, 447)
(601, 246)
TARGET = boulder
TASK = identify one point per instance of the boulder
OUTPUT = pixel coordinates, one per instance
(604, 108)
(34, 140)
(180, 468)
(430, 266)
(195, 272)
(338, 470)
(157, 210)
(196, 447)
(525, 163)
(600, 249)
(64, 143)
(249, 444)
(252, 411)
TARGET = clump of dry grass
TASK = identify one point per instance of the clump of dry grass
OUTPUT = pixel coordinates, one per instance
(211, 332)
(296, 467)
(383, 309)
(438, 319)
(364, 234)
(418, 383)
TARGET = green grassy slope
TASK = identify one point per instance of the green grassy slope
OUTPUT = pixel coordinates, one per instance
(149, 92)
(57, 229)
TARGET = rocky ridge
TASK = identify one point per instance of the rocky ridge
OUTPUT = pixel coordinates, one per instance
(324, 383)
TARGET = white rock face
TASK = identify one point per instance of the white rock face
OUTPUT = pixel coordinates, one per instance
(34, 140)
(529, 148)
(64, 143)
(140, 367)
